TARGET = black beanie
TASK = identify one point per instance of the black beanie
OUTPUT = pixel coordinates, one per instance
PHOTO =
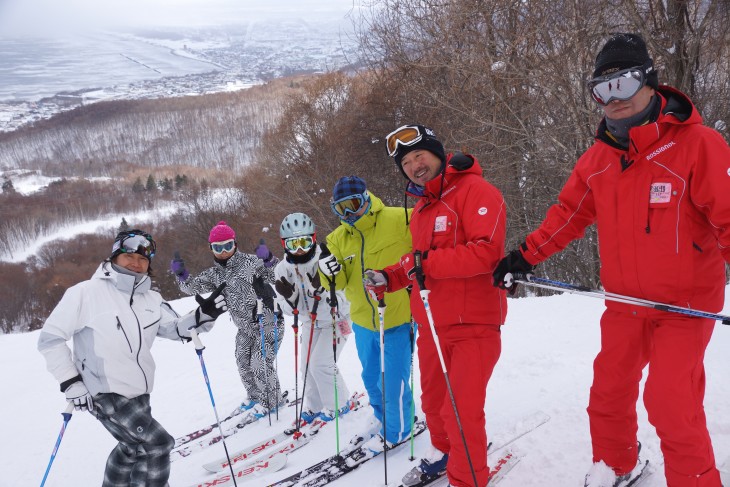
(428, 142)
(624, 51)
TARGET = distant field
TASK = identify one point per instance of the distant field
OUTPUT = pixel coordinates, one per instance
(32, 69)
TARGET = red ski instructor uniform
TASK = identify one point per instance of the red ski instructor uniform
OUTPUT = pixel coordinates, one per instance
(458, 225)
(662, 210)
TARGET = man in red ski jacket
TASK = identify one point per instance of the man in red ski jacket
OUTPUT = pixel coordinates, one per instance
(458, 225)
(657, 185)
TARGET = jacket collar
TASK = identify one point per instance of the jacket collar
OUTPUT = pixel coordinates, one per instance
(675, 109)
(442, 184)
(123, 282)
(368, 220)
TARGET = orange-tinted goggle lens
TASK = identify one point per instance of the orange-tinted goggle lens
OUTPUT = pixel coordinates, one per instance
(402, 136)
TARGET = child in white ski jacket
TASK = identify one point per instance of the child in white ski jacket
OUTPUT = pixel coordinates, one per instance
(299, 291)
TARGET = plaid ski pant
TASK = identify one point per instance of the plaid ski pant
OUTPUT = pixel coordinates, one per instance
(142, 457)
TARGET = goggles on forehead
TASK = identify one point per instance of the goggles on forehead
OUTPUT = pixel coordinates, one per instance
(350, 205)
(407, 135)
(293, 244)
(221, 247)
(621, 85)
(136, 243)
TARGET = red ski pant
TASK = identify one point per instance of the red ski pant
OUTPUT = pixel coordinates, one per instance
(674, 348)
(470, 353)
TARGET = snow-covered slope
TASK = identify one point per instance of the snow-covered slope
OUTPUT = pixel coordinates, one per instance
(546, 364)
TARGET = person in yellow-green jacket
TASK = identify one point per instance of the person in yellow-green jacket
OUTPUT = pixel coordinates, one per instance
(372, 236)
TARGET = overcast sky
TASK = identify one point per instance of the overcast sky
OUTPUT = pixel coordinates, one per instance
(51, 17)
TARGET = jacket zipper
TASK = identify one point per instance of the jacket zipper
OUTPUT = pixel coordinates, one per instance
(139, 350)
(119, 327)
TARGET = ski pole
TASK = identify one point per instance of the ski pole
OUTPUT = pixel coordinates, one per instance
(260, 316)
(381, 316)
(333, 313)
(413, 402)
(199, 350)
(277, 316)
(313, 319)
(66, 418)
(295, 327)
(531, 280)
(421, 279)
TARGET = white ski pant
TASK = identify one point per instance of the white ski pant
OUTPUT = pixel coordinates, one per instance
(320, 393)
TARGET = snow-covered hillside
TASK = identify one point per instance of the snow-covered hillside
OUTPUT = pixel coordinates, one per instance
(546, 364)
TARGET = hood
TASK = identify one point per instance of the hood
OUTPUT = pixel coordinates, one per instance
(457, 164)
(675, 109)
(123, 282)
(368, 219)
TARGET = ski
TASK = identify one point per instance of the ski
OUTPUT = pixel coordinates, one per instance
(502, 440)
(282, 450)
(334, 467)
(195, 446)
(267, 444)
(503, 465)
(194, 435)
(254, 469)
(641, 477)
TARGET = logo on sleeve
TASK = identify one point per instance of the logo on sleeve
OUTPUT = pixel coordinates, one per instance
(660, 193)
(482, 211)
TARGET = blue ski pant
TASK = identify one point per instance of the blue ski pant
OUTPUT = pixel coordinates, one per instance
(398, 394)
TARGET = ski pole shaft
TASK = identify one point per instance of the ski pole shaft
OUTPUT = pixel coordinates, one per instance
(413, 403)
(66, 418)
(295, 327)
(421, 279)
(531, 280)
(381, 316)
(333, 313)
(260, 315)
(277, 317)
(199, 350)
(313, 323)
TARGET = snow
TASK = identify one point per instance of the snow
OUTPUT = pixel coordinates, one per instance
(548, 347)
(107, 224)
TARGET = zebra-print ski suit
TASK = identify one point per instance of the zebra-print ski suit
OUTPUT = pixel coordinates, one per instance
(247, 278)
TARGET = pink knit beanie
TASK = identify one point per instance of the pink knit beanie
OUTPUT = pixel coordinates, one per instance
(221, 232)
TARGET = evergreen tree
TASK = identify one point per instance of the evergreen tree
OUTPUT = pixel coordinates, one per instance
(8, 187)
(151, 184)
(124, 226)
(138, 187)
(166, 184)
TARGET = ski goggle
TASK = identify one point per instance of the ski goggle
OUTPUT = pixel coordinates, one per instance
(407, 135)
(621, 85)
(345, 207)
(136, 243)
(221, 247)
(293, 244)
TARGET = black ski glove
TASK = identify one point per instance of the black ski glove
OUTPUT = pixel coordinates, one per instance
(510, 264)
(264, 292)
(213, 306)
(285, 288)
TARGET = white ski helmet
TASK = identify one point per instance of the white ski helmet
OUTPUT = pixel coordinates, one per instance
(295, 225)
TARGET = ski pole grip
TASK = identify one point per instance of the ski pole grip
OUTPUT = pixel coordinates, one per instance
(196, 339)
(418, 266)
(69, 409)
(259, 306)
(521, 276)
(325, 251)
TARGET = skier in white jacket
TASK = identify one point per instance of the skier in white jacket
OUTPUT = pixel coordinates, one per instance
(298, 287)
(113, 320)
